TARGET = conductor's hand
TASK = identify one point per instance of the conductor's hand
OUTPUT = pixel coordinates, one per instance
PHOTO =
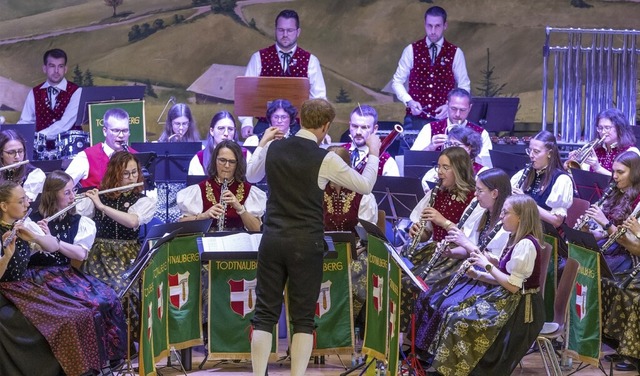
(247, 131)
(214, 212)
(270, 134)
(373, 142)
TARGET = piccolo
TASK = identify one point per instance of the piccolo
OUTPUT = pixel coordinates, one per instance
(14, 231)
(116, 189)
(13, 165)
(61, 212)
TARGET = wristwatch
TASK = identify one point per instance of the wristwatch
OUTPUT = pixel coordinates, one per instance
(608, 226)
(488, 267)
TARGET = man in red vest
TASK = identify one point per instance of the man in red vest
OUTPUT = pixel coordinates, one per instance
(90, 165)
(433, 67)
(53, 105)
(284, 59)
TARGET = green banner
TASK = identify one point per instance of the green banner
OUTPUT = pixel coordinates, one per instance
(183, 283)
(232, 299)
(134, 108)
(394, 317)
(153, 329)
(584, 309)
(375, 331)
(549, 293)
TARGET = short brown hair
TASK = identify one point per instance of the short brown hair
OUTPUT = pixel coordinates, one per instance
(315, 113)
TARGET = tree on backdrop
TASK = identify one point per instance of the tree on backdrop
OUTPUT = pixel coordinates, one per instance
(113, 4)
(488, 86)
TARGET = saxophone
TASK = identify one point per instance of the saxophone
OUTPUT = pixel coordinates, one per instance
(444, 244)
(599, 203)
(221, 218)
(411, 249)
(525, 173)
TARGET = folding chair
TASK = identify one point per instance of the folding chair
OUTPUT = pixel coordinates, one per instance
(577, 208)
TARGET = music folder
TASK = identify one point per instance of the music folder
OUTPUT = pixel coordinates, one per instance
(590, 185)
(588, 241)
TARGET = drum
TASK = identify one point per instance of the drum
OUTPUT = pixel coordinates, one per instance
(43, 150)
(71, 143)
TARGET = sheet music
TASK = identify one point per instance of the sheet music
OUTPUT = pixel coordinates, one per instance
(241, 242)
(418, 282)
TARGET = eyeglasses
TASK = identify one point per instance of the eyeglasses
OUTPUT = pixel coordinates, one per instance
(116, 132)
(605, 128)
(280, 118)
(128, 174)
(13, 153)
(224, 161)
(178, 124)
(286, 31)
(69, 192)
(533, 152)
(444, 168)
(449, 144)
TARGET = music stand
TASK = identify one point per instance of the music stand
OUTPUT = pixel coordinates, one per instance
(48, 166)
(96, 94)
(588, 241)
(397, 196)
(148, 168)
(195, 179)
(590, 185)
(548, 229)
(417, 163)
(508, 162)
(27, 131)
(252, 94)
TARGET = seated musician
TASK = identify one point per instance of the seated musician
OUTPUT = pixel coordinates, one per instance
(38, 316)
(546, 181)
(180, 125)
(465, 138)
(483, 230)
(617, 137)
(623, 201)
(242, 204)
(13, 149)
(503, 322)
(282, 115)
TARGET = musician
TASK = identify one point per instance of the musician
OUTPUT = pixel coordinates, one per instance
(68, 323)
(118, 217)
(284, 59)
(547, 182)
(223, 127)
(53, 105)
(180, 125)
(618, 137)
(362, 123)
(282, 115)
(433, 135)
(89, 166)
(244, 204)
(506, 319)
(13, 147)
(464, 138)
(75, 235)
(481, 227)
(624, 201)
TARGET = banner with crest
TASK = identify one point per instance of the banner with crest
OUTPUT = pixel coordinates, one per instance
(377, 306)
(549, 293)
(393, 334)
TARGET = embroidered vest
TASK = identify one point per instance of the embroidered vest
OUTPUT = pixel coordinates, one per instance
(210, 191)
(108, 228)
(451, 209)
(341, 209)
(606, 157)
(45, 116)
(534, 279)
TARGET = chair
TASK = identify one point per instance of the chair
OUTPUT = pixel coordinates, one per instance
(577, 208)
(545, 257)
(382, 223)
(557, 328)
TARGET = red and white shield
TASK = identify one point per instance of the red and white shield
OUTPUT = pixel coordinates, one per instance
(160, 299)
(378, 286)
(323, 304)
(392, 318)
(179, 289)
(149, 320)
(242, 296)
(581, 300)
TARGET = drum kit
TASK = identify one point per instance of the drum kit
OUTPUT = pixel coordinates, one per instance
(67, 145)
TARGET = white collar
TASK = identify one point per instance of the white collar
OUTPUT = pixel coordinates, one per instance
(280, 51)
(61, 86)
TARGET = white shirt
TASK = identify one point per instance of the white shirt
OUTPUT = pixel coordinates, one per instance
(34, 183)
(423, 140)
(79, 167)
(144, 208)
(406, 64)
(523, 260)
(561, 196)
(332, 168)
(190, 201)
(368, 209)
(390, 167)
(317, 88)
(64, 124)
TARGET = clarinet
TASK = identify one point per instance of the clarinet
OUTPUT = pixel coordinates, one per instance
(525, 173)
(617, 235)
(634, 272)
(411, 249)
(467, 264)
(125, 147)
(598, 204)
(444, 244)
(223, 188)
(14, 231)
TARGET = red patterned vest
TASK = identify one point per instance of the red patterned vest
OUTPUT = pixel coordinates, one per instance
(607, 156)
(98, 161)
(45, 116)
(430, 84)
(210, 191)
(440, 127)
(383, 159)
(476, 167)
(340, 209)
(451, 209)
(271, 67)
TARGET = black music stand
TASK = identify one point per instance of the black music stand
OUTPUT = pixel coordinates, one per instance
(195, 179)
(96, 94)
(590, 185)
(171, 163)
(146, 160)
(397, 196)
(48, 166)
(508, 162)
(417, 163)
(26, 131)
(588, 241)
(548, 229)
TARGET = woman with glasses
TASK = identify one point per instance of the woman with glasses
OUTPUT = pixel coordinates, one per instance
(618, 138)
(180, 125)
(282, 115)
(546, 181)
(463, 137)
(241, 204)
(13, 148)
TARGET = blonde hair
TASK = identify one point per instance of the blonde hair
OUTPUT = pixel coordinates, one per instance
(525, 207)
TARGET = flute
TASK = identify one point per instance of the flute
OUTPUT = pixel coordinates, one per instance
(13, 233)
(61, 212)
(13, 165)
(116, 189)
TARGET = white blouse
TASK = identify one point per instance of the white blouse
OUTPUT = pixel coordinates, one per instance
(190, 201)
(472, 231)
(561, 196)
(34, 183)
(523, 259)
(144, 208)
(368, 209)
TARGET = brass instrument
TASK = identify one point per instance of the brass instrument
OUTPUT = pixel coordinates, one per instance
(223, 188)
(444, 244)
(525, 173)
(61, 212)
(617, 235)
(599, 203)
(110, 190)
(14, 231)
(384, 145)
(583, 153)
(13, 165)
(411, 249)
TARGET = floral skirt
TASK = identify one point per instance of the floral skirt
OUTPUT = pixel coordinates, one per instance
(621, 315)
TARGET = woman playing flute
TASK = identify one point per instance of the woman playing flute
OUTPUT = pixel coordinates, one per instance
(13, 148)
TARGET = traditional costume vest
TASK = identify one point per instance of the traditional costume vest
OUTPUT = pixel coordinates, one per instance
(383, 158)
(476, 167)
(64, 229)
(108, 228)
(45, 116)
(540, 193)
(98, 161)
(440, 127)
(210, 190)
(451, 208)
(533, 280)
(607, 156)
(341, 209)
(17, 265)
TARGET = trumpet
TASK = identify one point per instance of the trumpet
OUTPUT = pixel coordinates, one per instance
(110, 190)
(61, 212)
(599, 203)
(14, 231)
(221, 219)
(411, 249)
(583, 153)
(14, 165)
